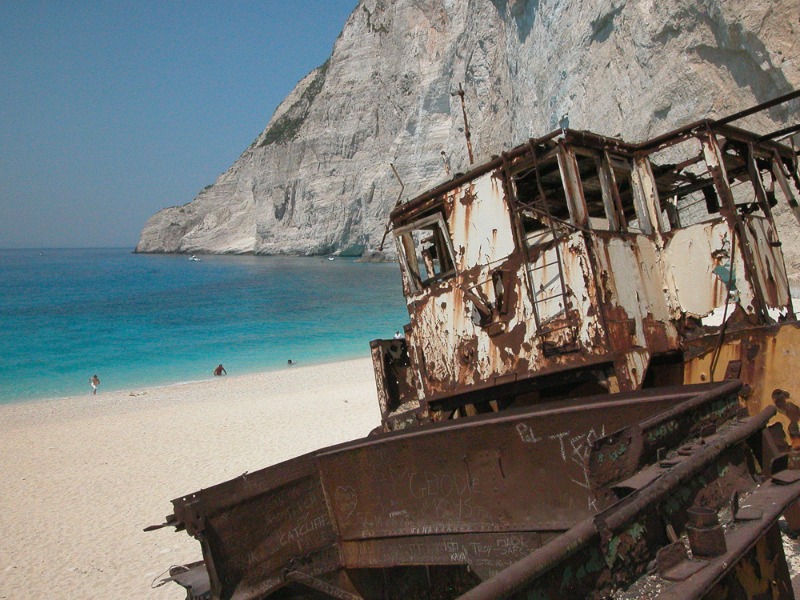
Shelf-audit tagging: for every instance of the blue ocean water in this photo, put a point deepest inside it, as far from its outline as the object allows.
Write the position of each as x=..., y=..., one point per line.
x=143, y=320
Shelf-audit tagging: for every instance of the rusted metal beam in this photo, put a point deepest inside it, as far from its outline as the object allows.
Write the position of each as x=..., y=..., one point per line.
x=784, y=132
x=771, y=499
x=688, y=130
x=621, y=454
x=758, y=108
x=523, y=574
x=478, y=490
x=593, y=140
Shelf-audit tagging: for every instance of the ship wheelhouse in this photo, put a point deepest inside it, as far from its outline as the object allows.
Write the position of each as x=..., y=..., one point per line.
x=578, y=264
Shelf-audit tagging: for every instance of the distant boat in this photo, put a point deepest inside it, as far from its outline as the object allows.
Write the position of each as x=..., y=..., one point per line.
x=193, y=257
x=331, y=257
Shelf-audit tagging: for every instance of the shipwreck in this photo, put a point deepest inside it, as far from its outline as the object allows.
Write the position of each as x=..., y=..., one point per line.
x=595, y=395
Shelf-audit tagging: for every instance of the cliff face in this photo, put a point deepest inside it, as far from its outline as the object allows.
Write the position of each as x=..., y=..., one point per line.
x=318, y=179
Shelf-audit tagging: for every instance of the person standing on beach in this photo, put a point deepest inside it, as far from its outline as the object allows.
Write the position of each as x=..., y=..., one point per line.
x=94, y=380
x=220, y=370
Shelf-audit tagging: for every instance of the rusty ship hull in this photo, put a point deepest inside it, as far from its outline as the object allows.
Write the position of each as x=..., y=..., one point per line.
x=594, y=394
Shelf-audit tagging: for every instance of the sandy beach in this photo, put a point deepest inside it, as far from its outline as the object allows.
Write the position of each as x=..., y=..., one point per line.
x=82, y=476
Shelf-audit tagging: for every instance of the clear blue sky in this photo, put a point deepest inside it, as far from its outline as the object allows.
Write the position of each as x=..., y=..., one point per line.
x=111, y=110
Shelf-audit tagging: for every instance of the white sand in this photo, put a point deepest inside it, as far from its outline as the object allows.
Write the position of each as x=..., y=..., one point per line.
x=81, y=477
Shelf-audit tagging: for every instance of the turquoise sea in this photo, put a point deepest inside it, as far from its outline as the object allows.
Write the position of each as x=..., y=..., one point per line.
x=140, y=320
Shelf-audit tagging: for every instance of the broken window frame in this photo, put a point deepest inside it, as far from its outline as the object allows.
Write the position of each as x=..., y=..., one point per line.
x=554, y=229
x=606, y=168
x=671, y=213
x=782, y=173
x=626, y=165
x=722, y=198
x=551, y=226
x=571, y=182
x=645, y=197
x=408, y=246
x=489, y=310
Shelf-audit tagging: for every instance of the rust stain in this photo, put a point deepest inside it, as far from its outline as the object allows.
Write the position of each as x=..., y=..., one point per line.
x=792, y=412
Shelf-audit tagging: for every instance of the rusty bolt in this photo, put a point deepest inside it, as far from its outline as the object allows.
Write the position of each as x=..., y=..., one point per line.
x=706, y=538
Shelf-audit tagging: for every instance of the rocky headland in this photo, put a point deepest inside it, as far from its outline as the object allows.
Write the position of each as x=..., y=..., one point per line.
x=318, y=179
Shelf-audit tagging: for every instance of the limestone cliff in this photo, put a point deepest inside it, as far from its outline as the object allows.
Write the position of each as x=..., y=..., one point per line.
x=318, y=178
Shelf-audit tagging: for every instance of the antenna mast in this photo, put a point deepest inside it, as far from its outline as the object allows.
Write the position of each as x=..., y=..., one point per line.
x=396, y=204
x=467, y=134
